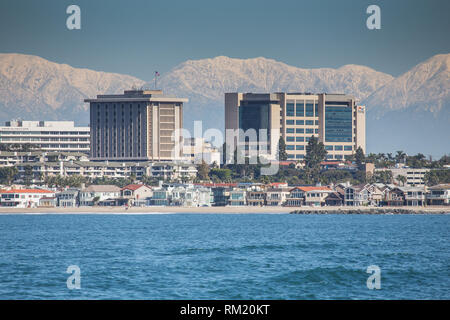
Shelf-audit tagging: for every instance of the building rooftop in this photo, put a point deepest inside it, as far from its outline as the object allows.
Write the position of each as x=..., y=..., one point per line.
x=102, y=188
x=440, y=186
x=134, y=187
x=137, y=95
x=41, y=124
x=26, y=191
x=311, y=188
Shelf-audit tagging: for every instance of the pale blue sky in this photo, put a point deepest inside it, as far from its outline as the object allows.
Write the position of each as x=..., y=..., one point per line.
x=137, y=37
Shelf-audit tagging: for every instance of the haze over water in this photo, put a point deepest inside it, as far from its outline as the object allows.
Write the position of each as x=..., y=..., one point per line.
x=198, y=256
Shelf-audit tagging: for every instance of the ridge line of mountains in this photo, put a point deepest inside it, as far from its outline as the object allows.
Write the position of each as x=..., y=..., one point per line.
x=409, y=112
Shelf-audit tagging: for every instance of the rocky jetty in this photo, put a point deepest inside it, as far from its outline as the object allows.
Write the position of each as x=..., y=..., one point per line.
x=350, y=210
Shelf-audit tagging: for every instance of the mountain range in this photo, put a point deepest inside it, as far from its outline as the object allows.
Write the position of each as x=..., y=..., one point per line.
x=410, y=112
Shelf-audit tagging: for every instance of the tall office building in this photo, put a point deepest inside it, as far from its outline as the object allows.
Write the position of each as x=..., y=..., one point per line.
x=335, y=119
x=50, y=136
x=138, y=125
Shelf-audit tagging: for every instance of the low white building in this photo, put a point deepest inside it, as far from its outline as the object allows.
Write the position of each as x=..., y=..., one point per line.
x=185, y=195
x=173, y=171
x=56, y=136
x=414, y=196
x=109, y=169
x=439, y=195
x=196, y=150
x=24, y=198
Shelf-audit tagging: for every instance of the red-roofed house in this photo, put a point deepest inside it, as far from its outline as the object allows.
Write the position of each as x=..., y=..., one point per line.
x=136, y=192
x=309, y=196
x=24, y=198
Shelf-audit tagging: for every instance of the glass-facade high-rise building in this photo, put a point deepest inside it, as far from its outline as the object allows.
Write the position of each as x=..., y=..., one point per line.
x=335, y=119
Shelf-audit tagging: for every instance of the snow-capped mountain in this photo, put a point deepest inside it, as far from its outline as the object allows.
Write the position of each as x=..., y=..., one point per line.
x=410, y=112
x=426, y=87
x=33, y=88
x=205, y=81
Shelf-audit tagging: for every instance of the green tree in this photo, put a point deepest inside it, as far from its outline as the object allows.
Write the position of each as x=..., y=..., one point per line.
x=74, y=181
x=434, y=177
x=27, y=174
x=400, y=156
x=315, y=154
x=384, y=176
x=221, y=174
x=8, y=174
x=401, y=179
x=203, y=171
x=282, y=154
x=360, y=158
x=150, y=181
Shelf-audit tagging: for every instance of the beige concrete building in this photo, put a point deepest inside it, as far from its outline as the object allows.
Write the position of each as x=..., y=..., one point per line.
x=138, y=125
x=335, y=119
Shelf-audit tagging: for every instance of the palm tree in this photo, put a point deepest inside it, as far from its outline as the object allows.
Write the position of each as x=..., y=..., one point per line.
x=401, y=179
x=400, y=156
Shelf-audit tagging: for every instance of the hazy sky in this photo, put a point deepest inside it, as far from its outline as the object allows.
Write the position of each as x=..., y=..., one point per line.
x=137, y=37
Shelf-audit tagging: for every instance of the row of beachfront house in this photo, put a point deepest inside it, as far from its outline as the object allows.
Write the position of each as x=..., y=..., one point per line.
x=108, y=195
x=338, y=195
x=231, y=194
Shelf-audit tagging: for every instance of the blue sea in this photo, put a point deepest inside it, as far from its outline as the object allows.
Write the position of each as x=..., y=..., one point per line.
x=224, y=256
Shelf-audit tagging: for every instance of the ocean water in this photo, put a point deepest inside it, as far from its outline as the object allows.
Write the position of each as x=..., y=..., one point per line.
x=224, y=256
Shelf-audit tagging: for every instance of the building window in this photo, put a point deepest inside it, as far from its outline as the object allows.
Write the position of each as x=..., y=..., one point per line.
x=289, y=147
x=300, y=130
x=299, y=109
x=300, y=147
x=309, y=110
x=290, y=139
x=338, y=148
x=290, y=109
x=338, y=123
x=348, y=148
x=290, y=130
x=328, y=148
x=309, y=122
x=299, y=122
x=300, y=139
x=290, y=122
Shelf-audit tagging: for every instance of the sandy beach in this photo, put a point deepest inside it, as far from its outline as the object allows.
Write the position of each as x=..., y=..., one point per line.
x=218, y=210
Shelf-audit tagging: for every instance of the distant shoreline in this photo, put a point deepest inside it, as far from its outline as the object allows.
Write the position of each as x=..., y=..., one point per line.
x=230, y=210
